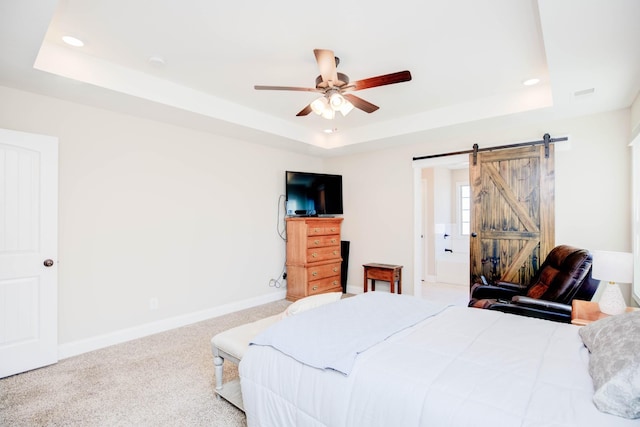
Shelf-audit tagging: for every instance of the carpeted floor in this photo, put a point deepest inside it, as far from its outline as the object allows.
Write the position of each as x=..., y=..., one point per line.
x=162, y=380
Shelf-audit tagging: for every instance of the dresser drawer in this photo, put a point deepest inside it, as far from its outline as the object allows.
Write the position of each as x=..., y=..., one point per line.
x=323, y=229
x=316, y=272
x=323, y=254
x=321, y=241
x=324, y=285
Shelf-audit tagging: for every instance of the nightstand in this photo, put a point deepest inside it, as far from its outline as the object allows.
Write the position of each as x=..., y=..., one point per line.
x=585, y=312
x=385, y=272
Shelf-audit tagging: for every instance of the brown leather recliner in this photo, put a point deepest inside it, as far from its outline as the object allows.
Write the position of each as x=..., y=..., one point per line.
x=565, y=275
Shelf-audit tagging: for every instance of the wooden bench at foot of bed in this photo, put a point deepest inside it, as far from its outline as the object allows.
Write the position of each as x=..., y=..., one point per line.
x=230, y=345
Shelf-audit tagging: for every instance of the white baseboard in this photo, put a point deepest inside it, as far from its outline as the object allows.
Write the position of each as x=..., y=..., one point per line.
x=360, y=289
x=95, y=343
x=354, y=289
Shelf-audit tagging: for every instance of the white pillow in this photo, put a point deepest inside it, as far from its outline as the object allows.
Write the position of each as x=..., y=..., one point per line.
x=310, y=302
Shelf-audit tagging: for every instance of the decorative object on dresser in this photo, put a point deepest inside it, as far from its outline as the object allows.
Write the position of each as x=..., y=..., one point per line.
x=313, y=256
x=613, y=267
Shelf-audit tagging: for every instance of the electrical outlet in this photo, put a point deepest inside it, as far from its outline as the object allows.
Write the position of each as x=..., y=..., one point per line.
x=153, y=303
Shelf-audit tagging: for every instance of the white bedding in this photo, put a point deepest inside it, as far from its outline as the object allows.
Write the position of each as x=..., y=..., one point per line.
x=462, y=367
x=372, y=318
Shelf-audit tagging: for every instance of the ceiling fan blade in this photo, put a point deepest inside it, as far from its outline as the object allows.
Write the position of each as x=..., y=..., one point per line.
x=360, y=103
x=300, y=89
x=386, y=79
x=327, y=63
x=306, y=110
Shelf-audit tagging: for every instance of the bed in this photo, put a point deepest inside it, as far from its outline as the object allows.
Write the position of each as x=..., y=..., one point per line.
x=448, y=366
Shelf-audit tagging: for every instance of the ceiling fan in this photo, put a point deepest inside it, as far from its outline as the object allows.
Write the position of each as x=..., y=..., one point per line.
x=336, y=88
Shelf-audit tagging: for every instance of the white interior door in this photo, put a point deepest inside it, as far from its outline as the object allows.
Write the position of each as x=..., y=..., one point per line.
x=28, y=251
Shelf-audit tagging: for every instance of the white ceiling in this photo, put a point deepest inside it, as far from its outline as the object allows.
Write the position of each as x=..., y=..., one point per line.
x=467, y=58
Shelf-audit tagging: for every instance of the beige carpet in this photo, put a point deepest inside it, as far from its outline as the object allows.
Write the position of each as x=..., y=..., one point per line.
x=163, y=380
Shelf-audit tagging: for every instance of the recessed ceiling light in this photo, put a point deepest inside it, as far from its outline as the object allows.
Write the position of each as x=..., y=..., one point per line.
x=531, y=82
x=72, y=41
x=334, y=130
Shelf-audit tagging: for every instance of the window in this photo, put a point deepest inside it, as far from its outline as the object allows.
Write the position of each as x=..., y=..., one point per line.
x=464, y=209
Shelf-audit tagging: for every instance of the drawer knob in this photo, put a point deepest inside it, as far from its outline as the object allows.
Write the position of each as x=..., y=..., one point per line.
x=315, y=288
x=335, y=269
x=333, y=229
x=314, y=255
x=335, y=282
x=315, y=273
x=316, y=230
x=333, y=240
x=335, y=252
x=316, y=242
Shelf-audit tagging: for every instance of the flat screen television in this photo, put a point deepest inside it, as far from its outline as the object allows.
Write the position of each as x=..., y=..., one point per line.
x=313, y=194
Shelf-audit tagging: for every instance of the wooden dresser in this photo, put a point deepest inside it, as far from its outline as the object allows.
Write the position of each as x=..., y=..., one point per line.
x=313, y=256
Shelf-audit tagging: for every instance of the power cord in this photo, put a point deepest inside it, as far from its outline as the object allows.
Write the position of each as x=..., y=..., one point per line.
x=281, y=232
x=281, y=229
x=278, y=283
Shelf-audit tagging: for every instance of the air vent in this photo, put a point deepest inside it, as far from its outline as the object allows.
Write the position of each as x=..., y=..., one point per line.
x=583, y=92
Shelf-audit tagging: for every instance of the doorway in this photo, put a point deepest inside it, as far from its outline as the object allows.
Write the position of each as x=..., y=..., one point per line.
x=512, y=212
x=441, y=243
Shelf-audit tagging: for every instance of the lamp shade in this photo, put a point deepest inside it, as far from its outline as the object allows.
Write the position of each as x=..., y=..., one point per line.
x=613, y=266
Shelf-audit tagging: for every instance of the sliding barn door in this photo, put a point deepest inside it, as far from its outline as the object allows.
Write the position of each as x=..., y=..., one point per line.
x=512, y=213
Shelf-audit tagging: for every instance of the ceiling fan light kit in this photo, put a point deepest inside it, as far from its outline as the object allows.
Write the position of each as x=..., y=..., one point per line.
x=336, y=100
x=323, y=107
x=319, y=105
x=346, y=108
x=335, y=88
x=329, y=103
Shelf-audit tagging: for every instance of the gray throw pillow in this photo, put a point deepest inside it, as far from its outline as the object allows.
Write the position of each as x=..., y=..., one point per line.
x=614, y=363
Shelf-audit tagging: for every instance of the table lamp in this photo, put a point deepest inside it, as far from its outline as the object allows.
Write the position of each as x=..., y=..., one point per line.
x=612, y=267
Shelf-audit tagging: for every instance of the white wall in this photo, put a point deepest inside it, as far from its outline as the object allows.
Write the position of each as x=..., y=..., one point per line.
x=378, y=212
x=153, y=210
x=428, y=202
x=442, y=195
x=593, y=183
x=635, y=117
x=592, y=187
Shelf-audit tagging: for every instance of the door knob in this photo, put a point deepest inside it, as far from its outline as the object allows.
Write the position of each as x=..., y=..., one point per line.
x=48, y=262
x=474, y=234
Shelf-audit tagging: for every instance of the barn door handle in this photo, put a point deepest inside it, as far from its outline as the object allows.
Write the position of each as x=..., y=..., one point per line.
x=48, y=262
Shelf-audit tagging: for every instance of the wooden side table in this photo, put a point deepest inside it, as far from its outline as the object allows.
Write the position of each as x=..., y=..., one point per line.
x=385, y=272
x=585, y=312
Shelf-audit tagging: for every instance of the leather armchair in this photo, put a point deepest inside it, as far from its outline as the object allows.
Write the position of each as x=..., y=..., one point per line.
x=565, y=275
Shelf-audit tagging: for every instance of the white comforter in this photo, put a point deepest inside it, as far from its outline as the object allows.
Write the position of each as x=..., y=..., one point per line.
x=371, y=318
x=462, y=367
